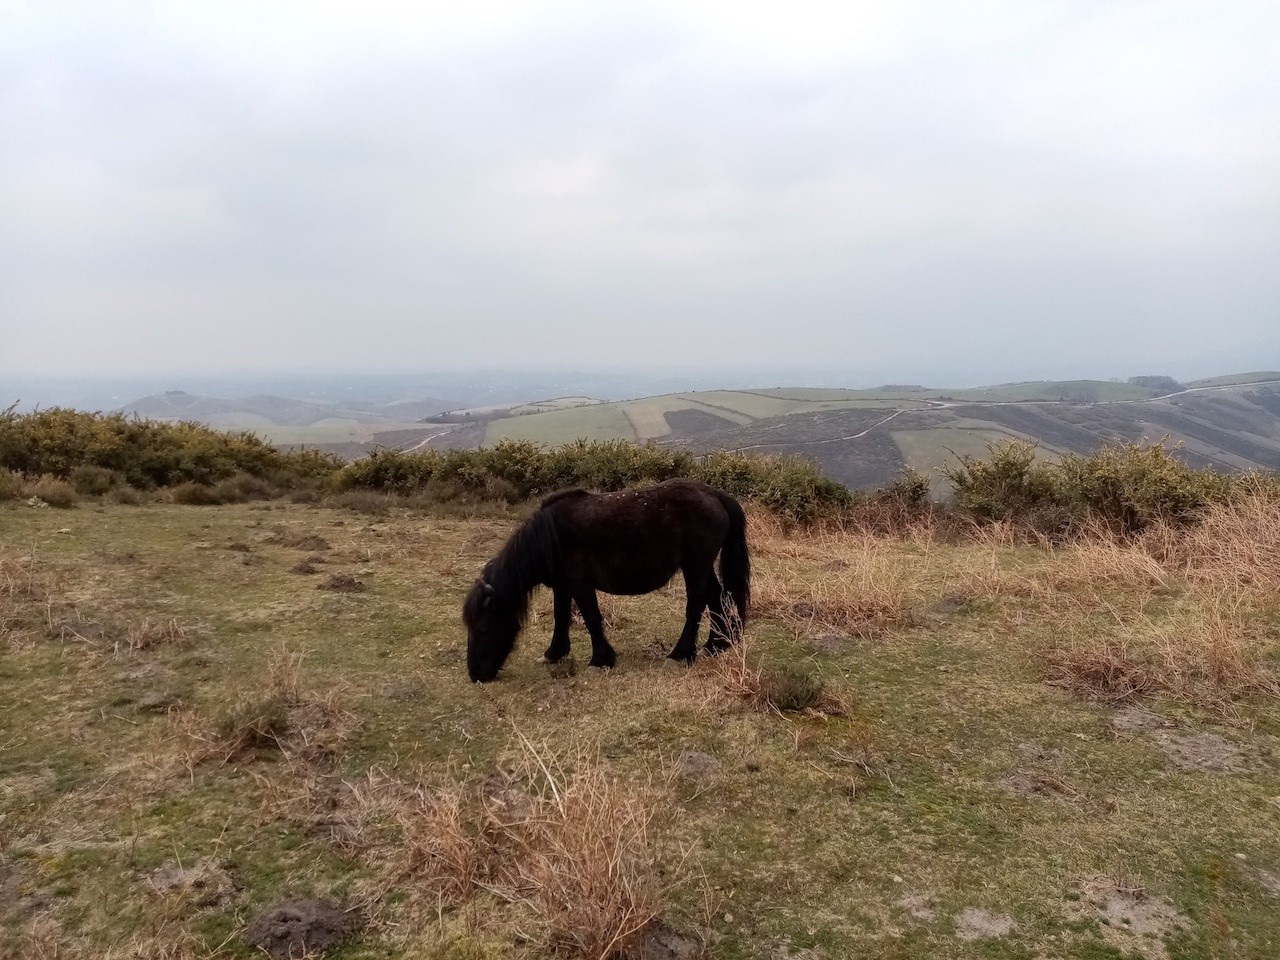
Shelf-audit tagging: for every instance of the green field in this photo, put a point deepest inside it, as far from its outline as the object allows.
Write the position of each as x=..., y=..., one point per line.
x=333, y=430
x=939, y=798
x=929, y=450
x=604, y=421
x=1262, y=376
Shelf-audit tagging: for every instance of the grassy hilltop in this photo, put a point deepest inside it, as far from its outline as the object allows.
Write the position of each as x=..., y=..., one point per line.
x=951, y=739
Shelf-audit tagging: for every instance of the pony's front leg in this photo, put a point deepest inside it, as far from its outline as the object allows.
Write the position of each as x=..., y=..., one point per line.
x=559, y=648
x=602, y=655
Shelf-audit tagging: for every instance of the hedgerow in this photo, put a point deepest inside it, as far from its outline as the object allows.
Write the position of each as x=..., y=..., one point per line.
x=521, y=470
x=1125, y=486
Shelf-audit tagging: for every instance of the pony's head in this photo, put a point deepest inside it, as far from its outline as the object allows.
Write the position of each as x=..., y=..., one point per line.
x=492, y=623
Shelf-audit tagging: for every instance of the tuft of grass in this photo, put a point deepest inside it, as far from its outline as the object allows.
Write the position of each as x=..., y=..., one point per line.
x=54, y=492
x=827, y=581
x=792, y=689
x=368, y=502
x=1232, y=544
x=146, y=635
x=253, y=723
x=11, y=485
x=570, y=850
x=1107, y=670
x=787, y=688
x=195, y=495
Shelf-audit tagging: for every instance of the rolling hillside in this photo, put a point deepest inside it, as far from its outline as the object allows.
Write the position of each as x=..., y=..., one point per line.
x=864, y=437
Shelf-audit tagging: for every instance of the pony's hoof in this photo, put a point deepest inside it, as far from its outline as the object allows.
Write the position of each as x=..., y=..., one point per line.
x=560, y=669
x=598, y=669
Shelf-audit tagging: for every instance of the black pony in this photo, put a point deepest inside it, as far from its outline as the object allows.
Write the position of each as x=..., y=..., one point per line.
x=626, y=543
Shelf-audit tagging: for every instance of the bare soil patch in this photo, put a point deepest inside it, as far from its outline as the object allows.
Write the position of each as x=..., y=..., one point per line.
x=830, y=641
x=662, y=942
x=342, y=583
x=1269, y=880
x=922, y=906
x=1187, y=750
x=205, y=883
x=976, y=924
x=1131, y=918
x=1040, y=783
x=301, y=928
x=697, y=765
x=311, y=542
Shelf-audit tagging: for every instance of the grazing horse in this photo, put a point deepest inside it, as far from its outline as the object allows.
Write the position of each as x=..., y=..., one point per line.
x=630, y=542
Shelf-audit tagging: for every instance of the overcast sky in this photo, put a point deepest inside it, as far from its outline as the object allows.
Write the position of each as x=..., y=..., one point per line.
x=973, y=189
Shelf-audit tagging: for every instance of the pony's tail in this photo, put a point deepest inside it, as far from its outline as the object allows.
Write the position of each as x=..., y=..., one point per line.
x=735, y=561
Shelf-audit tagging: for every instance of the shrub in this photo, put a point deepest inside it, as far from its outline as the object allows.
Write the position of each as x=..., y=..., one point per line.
x=91, y=481
x=54, y=492
x=195, y=495
x=1130, y=486
x=1127, y=487
x=147, y=453
x=242, y=488
x=11, y=485
x=1011, y=484
x=127, y=496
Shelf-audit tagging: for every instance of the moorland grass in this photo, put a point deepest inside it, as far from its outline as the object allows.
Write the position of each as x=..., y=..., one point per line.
x=950, y=772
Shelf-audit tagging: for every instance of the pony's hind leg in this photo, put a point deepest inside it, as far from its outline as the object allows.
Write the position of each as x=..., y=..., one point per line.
x=719, y=630
x=602, y=655
x=695, y=588
x=559, y=648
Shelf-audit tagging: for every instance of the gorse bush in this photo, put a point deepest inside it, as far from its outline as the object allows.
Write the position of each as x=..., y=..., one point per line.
x=1127, y=487
x=1010, y=484
x=146, y=454
x=518, y=470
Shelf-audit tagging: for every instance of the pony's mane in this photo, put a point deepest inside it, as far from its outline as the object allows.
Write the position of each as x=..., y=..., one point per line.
x=526, y=558
x=573, y=493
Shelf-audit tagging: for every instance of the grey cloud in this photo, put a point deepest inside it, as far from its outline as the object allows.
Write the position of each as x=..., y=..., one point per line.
x=1088, y=187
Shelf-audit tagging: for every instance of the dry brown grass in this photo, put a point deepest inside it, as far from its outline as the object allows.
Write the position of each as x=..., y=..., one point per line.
x=1185, y=612
x=824, y=580
x=282, y=716
x=1236, y=544
x=1212, y=648
x=1106, y=669
x=570, y=849
x=25, y=596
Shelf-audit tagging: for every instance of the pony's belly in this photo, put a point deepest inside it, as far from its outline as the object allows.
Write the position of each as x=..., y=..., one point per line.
x=633, y=582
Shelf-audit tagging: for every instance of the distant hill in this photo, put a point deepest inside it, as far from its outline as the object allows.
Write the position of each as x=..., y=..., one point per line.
x=864, y=437
x=861, y=437
x=349, y=430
